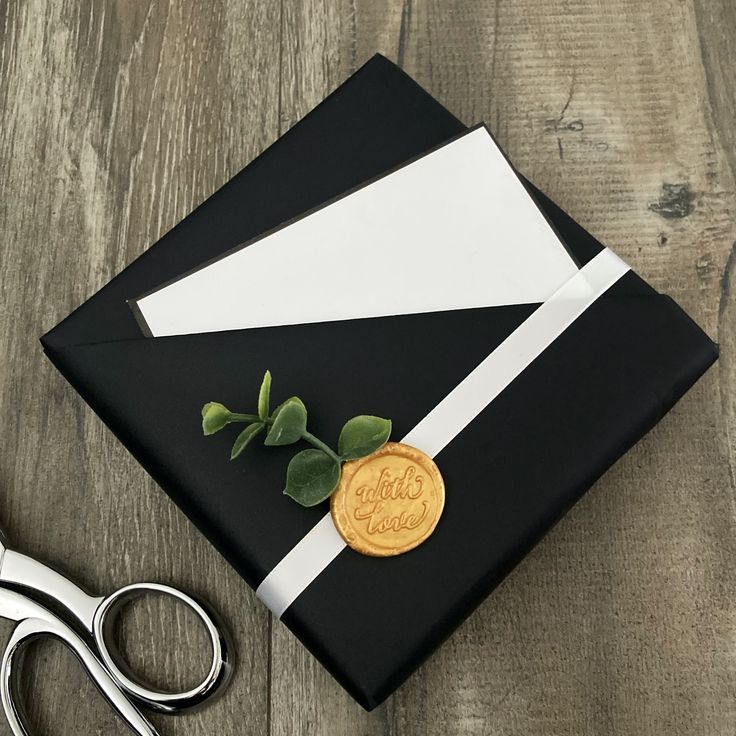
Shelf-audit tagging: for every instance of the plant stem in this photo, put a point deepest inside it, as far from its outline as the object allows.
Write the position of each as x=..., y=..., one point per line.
x=309, y=437
x=250, y=418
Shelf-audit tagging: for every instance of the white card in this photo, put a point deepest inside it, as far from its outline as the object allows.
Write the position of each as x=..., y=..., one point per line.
x=454, y=229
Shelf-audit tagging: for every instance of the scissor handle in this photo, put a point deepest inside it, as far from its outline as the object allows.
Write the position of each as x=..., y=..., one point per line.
x=50, y=625
x=220, y=669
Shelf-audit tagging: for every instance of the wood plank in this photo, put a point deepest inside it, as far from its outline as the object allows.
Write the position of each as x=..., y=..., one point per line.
x=621, y=620
x=117, y=119
x=716, y=20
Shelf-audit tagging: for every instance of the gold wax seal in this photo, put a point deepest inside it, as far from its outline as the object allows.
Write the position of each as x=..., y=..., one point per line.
x=389, y=502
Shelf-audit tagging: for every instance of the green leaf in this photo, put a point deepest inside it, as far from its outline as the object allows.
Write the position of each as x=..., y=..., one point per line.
x=290, y=421
x=289, y=400
x=264, y=396
x=214, y=417
x=244, y=438
x=363, y=435
x=311, y=477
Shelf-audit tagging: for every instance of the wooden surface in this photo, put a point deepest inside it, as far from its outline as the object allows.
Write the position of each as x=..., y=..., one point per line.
x=118, y=117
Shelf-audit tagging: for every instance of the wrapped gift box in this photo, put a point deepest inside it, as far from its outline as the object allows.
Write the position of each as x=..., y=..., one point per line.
x=514, y=470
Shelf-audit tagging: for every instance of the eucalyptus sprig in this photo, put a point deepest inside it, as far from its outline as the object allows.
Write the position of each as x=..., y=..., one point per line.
x=313, y=474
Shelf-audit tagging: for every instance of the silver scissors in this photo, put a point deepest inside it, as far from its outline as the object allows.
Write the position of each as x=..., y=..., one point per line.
x=45, y=603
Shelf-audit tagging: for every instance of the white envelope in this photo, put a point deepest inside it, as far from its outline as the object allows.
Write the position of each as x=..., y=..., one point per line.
x=453, y=229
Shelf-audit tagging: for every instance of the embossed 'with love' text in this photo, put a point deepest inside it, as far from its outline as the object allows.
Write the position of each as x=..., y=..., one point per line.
x=389, y=502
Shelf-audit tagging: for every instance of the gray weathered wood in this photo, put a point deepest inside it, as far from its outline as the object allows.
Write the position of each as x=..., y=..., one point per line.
x=117, y=118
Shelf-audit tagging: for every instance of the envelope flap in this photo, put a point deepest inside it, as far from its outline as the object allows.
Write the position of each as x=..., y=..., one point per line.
x=150, y=392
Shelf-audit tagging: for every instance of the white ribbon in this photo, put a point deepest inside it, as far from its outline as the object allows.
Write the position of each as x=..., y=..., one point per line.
x=322, y=543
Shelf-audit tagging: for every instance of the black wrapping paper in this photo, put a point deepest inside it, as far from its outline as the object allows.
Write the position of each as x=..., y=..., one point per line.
x=510, y=474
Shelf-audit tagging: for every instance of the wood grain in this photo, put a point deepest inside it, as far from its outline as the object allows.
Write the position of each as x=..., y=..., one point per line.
x=117, y=118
